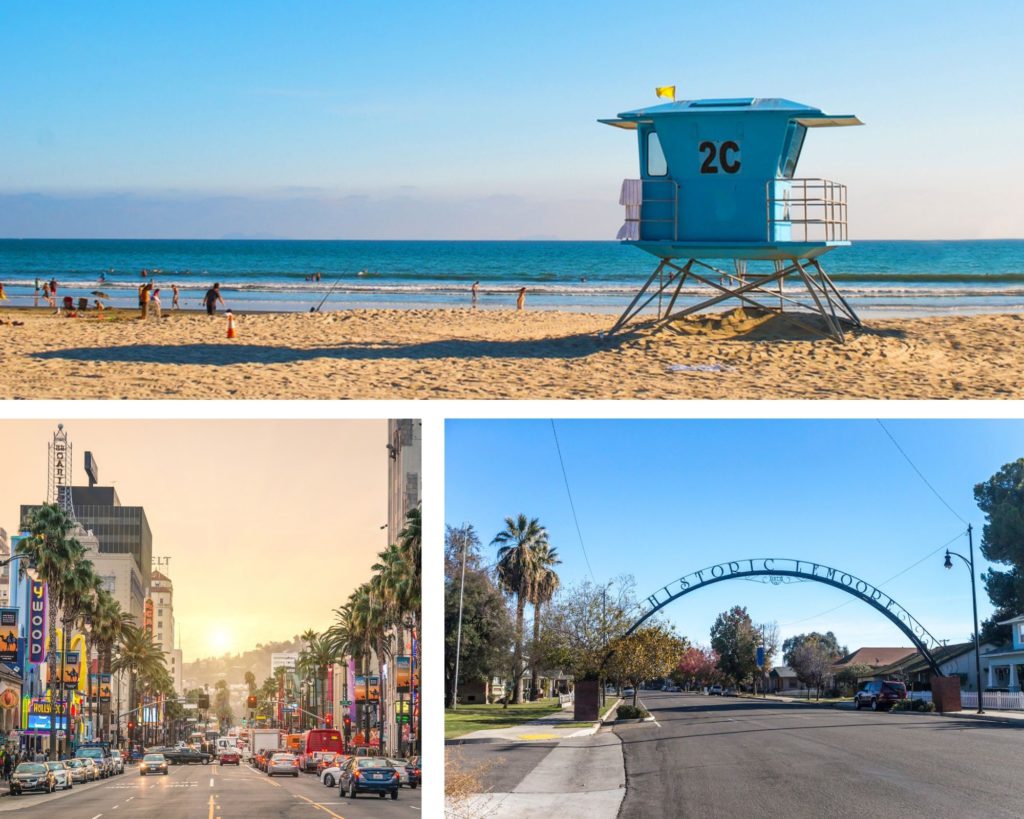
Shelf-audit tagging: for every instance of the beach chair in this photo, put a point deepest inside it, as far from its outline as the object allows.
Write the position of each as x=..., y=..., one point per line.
x=69, y=303
x=83, y=304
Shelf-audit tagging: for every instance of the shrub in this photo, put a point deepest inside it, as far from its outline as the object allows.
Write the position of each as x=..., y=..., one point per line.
x=630, y=712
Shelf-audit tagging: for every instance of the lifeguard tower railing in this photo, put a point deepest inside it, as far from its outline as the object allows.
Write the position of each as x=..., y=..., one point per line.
x=796, y=210
x=806, y=210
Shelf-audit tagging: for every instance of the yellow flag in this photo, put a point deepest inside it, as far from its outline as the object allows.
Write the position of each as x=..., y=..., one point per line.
x=666, y=91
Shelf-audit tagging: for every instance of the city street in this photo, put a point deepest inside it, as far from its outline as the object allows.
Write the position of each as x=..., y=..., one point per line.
x=725, y=757
x=208, y=792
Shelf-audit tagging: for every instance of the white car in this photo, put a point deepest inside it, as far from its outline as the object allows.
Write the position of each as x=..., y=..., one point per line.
x=329, y=776
x=403, y=773
x=61, y=775
x=118, y=760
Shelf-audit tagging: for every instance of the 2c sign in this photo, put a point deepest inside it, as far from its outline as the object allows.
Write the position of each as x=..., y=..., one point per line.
x=724, y=155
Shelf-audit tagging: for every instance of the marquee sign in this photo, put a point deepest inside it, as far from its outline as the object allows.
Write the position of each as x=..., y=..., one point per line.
x=778, y=569
x=36, y=621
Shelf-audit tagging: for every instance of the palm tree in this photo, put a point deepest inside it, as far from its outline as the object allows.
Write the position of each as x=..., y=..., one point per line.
x=109, y=627
x=517, y=573
x=544, y=587
x=139, y=656
x=53, y=553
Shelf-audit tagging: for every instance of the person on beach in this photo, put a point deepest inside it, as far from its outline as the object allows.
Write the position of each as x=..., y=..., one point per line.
x=475, y=291
x=36, y=302
x=521, y=299
x=3, y=293
x=211, y=298
x=103, y=277
x=53, y=287
x=156, y=303
x=47, y=294
x=144, y=300
x=174, y=297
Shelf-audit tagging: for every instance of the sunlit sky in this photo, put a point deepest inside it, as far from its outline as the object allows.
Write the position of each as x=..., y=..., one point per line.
x=197, y=119
x=268, y=525
x=660, y=499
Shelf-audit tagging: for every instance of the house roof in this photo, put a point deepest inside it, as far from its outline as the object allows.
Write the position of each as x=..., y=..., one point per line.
x=783, y=671
x=1019, y=618
x=916, y=661
x=806, y=115
x=875, y=656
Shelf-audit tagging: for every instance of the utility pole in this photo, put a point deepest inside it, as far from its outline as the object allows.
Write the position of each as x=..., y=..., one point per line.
x=458, y=637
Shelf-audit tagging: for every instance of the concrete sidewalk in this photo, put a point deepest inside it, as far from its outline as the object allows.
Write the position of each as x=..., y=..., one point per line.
x=556, y=726
x=581, y=778
x=991, y=714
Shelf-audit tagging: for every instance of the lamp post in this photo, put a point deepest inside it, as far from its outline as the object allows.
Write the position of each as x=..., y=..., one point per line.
x=458, y=637
x=974, y=600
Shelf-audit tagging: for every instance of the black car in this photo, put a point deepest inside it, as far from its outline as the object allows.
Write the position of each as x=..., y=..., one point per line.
x=880, y=695
x=367, y=774
x=186, y=756
x=32, y=776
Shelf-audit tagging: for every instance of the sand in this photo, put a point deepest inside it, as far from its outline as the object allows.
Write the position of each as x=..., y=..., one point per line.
x=462, y=353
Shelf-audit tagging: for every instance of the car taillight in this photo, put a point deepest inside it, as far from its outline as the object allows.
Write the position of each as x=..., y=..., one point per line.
x=396, y=776
x=356, y=774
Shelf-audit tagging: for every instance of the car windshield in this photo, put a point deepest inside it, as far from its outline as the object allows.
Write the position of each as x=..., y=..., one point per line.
x=74, y=763
x=153, y=758
x=31, y=767
x=397, y=762
x=55, y=766
x=93, y=753
x=896, y=688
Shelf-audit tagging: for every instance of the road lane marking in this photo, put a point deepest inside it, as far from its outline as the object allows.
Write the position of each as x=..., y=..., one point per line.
x=211, y=781
x=97, y=816
x=319, y=806
x=211, y=806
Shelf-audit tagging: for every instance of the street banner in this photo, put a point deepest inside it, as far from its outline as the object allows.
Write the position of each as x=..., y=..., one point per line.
x=36, y=621
x=367, y=690
x=104, y=687
x=403, y=665
x=72, y=669
x=8, y=636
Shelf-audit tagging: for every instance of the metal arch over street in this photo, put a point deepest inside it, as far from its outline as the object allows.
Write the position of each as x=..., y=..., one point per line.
x=785, y=567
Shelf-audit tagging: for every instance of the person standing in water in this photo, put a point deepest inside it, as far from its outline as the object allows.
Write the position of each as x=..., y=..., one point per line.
x=174, y=297
x=521, y=299
x=474, y=290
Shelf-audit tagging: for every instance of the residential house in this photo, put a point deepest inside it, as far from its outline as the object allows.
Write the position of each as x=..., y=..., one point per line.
x=1003, y=666
x=782, y=679
x=956, y=660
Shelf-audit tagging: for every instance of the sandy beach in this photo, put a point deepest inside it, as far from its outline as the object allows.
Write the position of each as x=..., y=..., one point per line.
x=467, y=354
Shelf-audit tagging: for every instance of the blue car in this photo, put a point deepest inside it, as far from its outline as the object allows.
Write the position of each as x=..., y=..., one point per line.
x=368, y=774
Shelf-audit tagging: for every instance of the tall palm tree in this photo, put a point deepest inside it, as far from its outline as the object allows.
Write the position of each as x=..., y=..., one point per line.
x=517, y=573
x=81, y=585
x=544, y=587
x=53, y=553
x=108, y=629
x=137, y=655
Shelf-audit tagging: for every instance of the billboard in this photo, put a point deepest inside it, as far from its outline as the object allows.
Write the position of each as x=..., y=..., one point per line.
x=37, y=713
x=403, y=667
x=9, y=636
x=283, y=659
x=367, y=689
x=36, y=621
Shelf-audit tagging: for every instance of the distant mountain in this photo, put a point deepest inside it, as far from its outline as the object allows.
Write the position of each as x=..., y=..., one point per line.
x=232, y=667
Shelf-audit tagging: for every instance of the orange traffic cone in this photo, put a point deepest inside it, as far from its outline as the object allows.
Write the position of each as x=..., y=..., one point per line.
x=231, y=326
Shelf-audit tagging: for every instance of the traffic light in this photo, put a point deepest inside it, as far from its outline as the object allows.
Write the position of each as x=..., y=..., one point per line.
x=251, y=701
x=204, y=701
x=329, y=720
x=131, y=725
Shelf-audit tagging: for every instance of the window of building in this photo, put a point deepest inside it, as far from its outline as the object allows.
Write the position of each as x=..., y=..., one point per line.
x=657, y=165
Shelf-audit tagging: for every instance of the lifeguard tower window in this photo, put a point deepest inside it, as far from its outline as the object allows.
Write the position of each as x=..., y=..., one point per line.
x=656, y=162
x=791, y=149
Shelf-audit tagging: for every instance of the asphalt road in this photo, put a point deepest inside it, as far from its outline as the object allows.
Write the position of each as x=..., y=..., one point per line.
x=208, y=792
x=727, y=757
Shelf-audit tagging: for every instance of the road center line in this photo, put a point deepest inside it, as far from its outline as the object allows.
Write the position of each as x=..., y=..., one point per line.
x=211, y=781
x=320, y=807
x=97, y=816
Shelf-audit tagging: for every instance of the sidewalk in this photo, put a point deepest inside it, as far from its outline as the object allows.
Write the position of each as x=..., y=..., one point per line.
x=557, y=726
x=991, y=714
x=581, y=778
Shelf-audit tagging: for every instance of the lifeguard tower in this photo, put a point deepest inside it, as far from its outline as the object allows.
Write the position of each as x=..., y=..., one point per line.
x=717, y=183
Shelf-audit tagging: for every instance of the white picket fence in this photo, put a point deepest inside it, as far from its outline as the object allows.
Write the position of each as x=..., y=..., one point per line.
x=1000, y=700
x=564, y=699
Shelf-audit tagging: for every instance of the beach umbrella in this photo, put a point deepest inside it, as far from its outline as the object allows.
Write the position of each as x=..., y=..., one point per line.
x=100, y=294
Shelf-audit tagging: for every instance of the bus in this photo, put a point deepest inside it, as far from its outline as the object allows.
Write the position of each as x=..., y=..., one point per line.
x=315, y=742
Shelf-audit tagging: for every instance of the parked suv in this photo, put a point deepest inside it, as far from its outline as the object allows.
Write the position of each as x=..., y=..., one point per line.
x=880, y=695
x=99, y=755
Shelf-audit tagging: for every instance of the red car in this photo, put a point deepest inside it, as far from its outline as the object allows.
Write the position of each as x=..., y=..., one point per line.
x=230, y=757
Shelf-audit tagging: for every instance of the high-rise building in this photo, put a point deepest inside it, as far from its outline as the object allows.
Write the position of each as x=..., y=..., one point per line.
x=161, y=591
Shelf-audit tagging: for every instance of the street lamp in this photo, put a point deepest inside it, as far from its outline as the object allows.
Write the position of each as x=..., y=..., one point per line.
x=974, y=600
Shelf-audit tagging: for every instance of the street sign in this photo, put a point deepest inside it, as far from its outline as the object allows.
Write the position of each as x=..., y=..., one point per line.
x=346, y=703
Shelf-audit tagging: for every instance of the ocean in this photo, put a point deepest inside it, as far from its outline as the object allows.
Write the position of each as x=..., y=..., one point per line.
x=878, y=277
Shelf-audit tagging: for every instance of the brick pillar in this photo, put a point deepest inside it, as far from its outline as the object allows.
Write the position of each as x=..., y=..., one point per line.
x=587, y=701
x=946, y=694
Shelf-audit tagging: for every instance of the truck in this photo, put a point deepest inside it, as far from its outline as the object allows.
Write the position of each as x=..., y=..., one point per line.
x=263, y=738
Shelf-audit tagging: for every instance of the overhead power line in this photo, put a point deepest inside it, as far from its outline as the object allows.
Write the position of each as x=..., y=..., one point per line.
x=572, y=506
x=919, y=473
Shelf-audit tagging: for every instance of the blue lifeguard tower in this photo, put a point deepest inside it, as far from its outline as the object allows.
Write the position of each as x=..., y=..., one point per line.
x=717, y=182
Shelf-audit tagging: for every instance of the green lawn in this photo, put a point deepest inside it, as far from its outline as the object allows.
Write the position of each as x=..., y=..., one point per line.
x=479, y=717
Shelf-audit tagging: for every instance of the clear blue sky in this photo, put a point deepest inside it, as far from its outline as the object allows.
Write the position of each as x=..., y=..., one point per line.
x=414, y=105
x=660, y=499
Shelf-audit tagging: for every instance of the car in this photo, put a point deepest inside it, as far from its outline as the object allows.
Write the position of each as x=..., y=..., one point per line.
x=283, y=763
x=880, y=695
x=92, y=770
x=153, y=763
x=100, y=756
x=325, y=759
x=118, y=760
x=402, y=766
x=329, y=775
x=229, y=757
x=363, y=774
x=715, y=690
x=628, y=692
x=32, y=776
x=187, y=756
x=78, y=771
x=414, y=771
x=729, y=692
x=61, y=775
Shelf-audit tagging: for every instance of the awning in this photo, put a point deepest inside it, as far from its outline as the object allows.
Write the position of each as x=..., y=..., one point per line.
x=828, y=122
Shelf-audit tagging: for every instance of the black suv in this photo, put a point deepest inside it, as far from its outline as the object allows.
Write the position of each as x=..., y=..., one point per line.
x=880, y=695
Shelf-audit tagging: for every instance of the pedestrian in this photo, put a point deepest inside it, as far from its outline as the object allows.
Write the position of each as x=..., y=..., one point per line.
x=3, y=293
x=144, y=291
x=211, y=298
x=53, y=287
x=50, y=300
x=174, y=297
x=36, y=302
x=521, y=299
x=155, y=299
x=474, y=290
